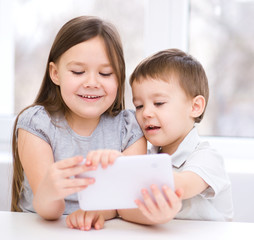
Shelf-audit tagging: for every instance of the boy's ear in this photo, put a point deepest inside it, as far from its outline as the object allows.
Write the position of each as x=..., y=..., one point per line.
x=198, y=106
x=53, y=73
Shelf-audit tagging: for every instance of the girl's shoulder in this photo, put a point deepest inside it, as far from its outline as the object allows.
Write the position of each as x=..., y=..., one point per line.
x=35, y=113
x=36, y=120
x=125, y=117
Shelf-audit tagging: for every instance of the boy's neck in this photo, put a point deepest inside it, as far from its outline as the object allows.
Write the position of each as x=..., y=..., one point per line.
x=172, y=148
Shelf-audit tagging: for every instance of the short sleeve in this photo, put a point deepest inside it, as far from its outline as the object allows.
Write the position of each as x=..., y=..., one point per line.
x=209, y=165
x=36, y=121
x=130, y=130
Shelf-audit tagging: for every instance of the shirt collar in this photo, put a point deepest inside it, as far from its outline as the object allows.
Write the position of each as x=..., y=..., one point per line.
x=186, y=147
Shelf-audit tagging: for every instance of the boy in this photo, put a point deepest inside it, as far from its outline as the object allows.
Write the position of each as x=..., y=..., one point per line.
x=170, y=93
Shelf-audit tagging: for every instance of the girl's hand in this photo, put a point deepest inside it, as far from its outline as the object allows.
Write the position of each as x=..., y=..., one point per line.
x=59, y=180
x=104, y=156
x=164, y=207
x=85, y=220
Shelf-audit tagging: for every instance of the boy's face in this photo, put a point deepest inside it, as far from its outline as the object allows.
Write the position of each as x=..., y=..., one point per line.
x=163, y=111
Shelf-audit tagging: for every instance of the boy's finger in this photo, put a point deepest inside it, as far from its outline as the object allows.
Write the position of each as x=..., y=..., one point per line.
x=173, y=199
x=149, y=203
x=179, y=192
x=159, y=198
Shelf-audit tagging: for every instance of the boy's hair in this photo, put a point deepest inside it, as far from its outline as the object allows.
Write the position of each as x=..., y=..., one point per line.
x=175, y=63
x=75, y=31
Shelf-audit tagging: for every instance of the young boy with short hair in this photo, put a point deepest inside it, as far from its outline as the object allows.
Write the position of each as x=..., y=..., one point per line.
x=170, y=93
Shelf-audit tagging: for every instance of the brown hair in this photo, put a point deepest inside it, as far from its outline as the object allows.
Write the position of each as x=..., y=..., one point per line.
x=174, y=62
x=75, y=31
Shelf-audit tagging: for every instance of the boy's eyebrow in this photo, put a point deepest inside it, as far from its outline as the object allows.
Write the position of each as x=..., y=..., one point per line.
x=153, y=95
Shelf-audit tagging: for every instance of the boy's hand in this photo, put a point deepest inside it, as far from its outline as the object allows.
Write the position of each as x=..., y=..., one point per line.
x=105, y=157
x=163, y=207
x=85, y=220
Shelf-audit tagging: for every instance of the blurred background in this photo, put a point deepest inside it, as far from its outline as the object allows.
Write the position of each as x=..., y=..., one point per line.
x=218, y=33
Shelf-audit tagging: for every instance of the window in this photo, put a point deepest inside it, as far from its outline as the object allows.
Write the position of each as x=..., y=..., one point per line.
x=221, y=37
x=28, y=28
x=212, y=31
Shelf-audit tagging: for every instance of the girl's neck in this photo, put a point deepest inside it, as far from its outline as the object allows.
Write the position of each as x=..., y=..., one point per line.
x=82, y=126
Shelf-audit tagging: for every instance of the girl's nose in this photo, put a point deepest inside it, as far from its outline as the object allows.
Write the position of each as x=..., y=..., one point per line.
x=91, y=81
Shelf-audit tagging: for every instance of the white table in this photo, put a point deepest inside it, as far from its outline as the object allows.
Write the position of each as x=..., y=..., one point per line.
x=27, y=226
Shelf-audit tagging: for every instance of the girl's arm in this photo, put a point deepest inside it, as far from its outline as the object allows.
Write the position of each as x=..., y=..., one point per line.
x=85, y=220
x=137, y=148
x=49, y=181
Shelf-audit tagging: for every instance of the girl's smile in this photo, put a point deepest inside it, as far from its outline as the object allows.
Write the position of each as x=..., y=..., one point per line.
x=90, y=98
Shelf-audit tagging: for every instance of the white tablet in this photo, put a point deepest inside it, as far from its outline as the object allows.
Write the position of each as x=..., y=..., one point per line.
x=117, y=186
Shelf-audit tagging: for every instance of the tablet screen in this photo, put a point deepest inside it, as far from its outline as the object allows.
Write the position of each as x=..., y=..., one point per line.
x=117, y=186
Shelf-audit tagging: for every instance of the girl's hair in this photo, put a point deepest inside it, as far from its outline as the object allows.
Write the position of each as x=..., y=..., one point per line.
x=175, y=63
x=75, y=31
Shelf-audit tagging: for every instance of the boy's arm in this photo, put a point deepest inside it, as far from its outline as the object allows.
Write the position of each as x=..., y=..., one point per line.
x=134, y=215
x=191, y=183
x=159, y=207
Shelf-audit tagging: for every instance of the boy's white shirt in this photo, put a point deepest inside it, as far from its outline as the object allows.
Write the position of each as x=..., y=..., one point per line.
x=215, y=203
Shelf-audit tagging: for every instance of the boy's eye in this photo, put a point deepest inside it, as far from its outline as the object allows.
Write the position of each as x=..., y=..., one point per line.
x=77, y=73
x=105, y=74
x=159, y=103
x=139, y=107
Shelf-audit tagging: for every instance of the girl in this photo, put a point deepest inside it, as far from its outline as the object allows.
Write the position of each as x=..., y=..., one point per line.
x=79, y=108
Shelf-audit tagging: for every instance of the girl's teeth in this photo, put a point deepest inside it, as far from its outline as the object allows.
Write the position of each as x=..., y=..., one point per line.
x=90, y=96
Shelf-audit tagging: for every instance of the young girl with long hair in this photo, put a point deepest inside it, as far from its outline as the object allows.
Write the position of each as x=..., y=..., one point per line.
x=79, y=109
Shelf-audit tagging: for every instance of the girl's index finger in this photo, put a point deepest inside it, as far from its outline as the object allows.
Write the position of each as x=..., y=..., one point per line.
x=69, y=162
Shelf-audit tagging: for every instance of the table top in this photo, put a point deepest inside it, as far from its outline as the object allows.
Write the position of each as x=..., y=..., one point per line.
x=28, y=226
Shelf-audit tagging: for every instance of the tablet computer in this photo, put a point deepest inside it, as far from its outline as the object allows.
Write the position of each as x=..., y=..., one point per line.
x=117, y=186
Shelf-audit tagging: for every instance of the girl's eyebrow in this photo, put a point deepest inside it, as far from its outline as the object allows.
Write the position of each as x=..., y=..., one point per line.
x=75, y=63
x=83, y=64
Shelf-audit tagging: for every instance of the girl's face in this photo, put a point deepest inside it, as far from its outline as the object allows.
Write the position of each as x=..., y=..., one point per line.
x=86, y=78
x=163, y=111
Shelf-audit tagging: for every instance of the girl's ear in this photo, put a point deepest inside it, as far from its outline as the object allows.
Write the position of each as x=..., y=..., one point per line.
x=198, y=106
x=53, y=73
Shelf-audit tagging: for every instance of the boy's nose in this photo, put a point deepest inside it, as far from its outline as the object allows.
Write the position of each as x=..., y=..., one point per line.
x=147, y=112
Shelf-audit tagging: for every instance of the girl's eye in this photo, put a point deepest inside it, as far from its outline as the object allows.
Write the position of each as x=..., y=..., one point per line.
x=105, y=74
x=77, y=73
x=159, y=103
x=139, y=107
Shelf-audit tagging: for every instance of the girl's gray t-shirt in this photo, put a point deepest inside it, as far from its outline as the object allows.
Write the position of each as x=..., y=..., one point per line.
x=118, y=133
